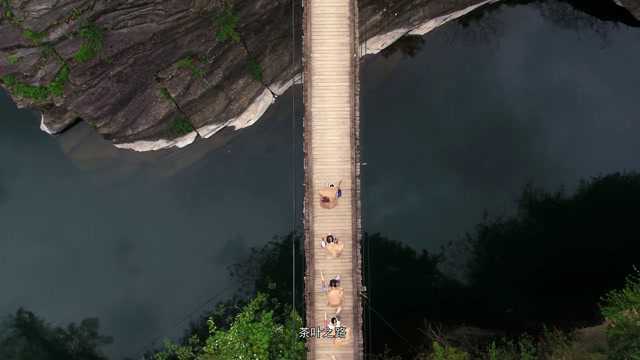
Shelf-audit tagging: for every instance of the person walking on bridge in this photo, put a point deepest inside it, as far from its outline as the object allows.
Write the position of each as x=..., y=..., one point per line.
x=329, y=196
x=335, y=294
x=333, y=246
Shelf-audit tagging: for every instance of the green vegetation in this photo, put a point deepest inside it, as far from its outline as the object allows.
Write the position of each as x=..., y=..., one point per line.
x=7, y=11
x=180, y=126
x=56, y=86
x=188, y=64
x=47, y=51
x=254, y=333
x=93, y=37
x=622, y=309
x=226, y=23
x=38, y=93
x=254, y=69
x=34, y=36
x=578, y=229
x=26, y=91
x=13, y=59
x=9, y=80
x=446, y=352
x=24, y=336
x=551, y=345
x=164, y=93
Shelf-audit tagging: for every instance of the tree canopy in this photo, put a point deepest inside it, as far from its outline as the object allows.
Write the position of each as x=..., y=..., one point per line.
x=553, y=260
x=253, y=334
x=24, y=336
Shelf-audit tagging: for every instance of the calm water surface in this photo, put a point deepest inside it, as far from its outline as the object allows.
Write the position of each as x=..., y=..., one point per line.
x=480, y=111
x=140, y=239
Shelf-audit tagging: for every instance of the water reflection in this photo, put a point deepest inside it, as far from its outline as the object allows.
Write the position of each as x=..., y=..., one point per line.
x=134, y=239
x=460, y=127
x=139, y=239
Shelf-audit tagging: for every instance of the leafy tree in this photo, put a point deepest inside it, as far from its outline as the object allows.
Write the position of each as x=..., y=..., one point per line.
x=622, y=309
x=24, y=336
x=253, y=334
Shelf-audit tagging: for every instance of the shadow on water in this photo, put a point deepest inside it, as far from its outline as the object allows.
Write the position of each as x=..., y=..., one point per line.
x=594, y=15
x=548, y=265
x=555, y=10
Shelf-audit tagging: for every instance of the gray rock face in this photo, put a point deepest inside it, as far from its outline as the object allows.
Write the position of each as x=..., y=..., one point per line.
x=632, y=5
x=159, y=68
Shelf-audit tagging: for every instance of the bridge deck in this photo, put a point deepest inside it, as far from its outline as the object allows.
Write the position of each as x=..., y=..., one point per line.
x=331, y=156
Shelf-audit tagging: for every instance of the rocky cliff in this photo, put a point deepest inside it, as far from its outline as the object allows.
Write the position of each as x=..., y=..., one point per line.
x=151, y=74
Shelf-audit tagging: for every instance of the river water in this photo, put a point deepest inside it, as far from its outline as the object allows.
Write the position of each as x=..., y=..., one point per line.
x=140, y=240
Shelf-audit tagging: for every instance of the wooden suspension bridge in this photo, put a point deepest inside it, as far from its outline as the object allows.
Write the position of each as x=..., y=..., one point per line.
x=331, y=144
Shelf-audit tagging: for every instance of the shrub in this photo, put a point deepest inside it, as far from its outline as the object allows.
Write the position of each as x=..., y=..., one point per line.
x=527, y=348
x=446, y=352
x=164, y=93
x=7, y=12
x=180, y=126
x=38, y=92
x=9, y=80
x=56, y=87
x=47, y=51
x=13, y=59
x=253, y=334
x=33, y=92
x=255, y=69
x=26, y=91
x=622, y=309
x=187, y=63
x=34, y=36
x=93, y=37
x=226, y=23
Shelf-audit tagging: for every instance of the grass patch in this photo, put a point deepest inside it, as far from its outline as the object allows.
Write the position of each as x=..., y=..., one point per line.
x=22, y=90
x=38, y=93
x=27, y=91
x=34, y=36
x=226, y=23
x=56, y=86
x=13, y=59
x=9, y=80
x=254, y=69
x=93, y=37
x=164, y=93
x=188, y=64
x=180, y=127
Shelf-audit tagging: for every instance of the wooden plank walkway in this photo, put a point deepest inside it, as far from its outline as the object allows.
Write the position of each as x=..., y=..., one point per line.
x=331, y=90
